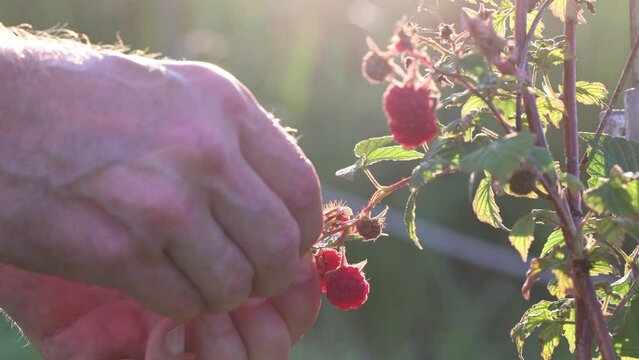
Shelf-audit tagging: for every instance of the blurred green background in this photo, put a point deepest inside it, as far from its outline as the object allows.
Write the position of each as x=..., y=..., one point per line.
x=302, y=60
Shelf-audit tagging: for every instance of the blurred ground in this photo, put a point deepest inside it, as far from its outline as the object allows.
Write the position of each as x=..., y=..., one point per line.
x=301, y=58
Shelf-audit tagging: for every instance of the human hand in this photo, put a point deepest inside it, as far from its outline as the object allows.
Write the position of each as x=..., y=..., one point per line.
x=72, y=321
x=163, y=179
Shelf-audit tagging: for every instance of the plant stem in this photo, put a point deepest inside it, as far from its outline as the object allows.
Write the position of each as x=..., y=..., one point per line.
x=380, y=194
x=585, y=294
x=531, y=32
x=604, y=120
x=571, y=122
x=473, y=90
x=583, y=350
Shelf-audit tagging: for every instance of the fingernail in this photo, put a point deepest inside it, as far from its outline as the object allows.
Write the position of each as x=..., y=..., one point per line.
x=304, y=270
x=175, y=340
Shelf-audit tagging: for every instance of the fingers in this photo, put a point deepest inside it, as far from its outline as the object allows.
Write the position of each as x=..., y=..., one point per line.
x=260, y=224
x=215, y=337
x=161, y=287
x=167, y=342
x=285, y=169
x=300, y=304
x=212, y=262
x=263, y=330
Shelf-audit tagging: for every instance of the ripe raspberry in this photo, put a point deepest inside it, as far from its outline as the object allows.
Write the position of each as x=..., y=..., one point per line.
x=347, y=287
x=523, y=181
x=411, y=114
x=370, y=228
x=327, y=260
x=376, y=67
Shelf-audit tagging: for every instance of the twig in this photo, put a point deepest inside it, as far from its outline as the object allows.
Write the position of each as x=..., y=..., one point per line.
x=633, y=287
x=380, y=194
x=604, y=120
x=493, y=109
x=533, y=28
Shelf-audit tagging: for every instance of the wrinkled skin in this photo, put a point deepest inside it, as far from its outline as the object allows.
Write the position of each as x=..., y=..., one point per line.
x=162, y=181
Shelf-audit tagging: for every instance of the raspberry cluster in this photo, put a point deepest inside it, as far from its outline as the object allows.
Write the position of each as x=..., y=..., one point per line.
x=345, y=285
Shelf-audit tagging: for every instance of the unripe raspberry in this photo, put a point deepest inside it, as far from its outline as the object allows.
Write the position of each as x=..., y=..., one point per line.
x=376, y=67
x=523, y=181
x=336, y=214
x=369, y=228
x=347, y=287
x=327, y=260
x=411, y=114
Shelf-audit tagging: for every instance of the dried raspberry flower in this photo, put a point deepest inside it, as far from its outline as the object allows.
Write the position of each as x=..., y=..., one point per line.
x=370, y=228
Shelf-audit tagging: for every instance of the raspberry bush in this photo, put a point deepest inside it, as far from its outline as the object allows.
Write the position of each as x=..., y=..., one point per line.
x=493, y=65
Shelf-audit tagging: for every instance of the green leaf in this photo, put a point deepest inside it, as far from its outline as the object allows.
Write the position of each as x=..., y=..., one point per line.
x=558, y=8
x=501, y=157
x=608, y=152
x=611, y=196
x=542, y=313
x=549, y=339
x=542, y=159
x=610, y=230
x=522, y=235
x=366, y=147
x=626, y=340
x=545, y=53
x=473, y=65
x=374, y=150
x=409, y=218
x=392, y=153
x=591, y=93
x=556, y=238
x=442, y=152
x=551, y=110
x=570, y=332
x=572, y=182
x=485, y=207
x=546, y=217
x=474, y=103
x=500, y=21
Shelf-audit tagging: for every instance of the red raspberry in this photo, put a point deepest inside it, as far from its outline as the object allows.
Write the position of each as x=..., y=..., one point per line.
x=411, y=114
x=327, y=260
x=347, y=287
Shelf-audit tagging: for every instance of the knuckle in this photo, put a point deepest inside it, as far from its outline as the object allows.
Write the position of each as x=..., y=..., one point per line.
x=280, y=258
x=118, y=256
x=218, y=153
x=170, y=209
x=211, y=79
x=236, y=288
